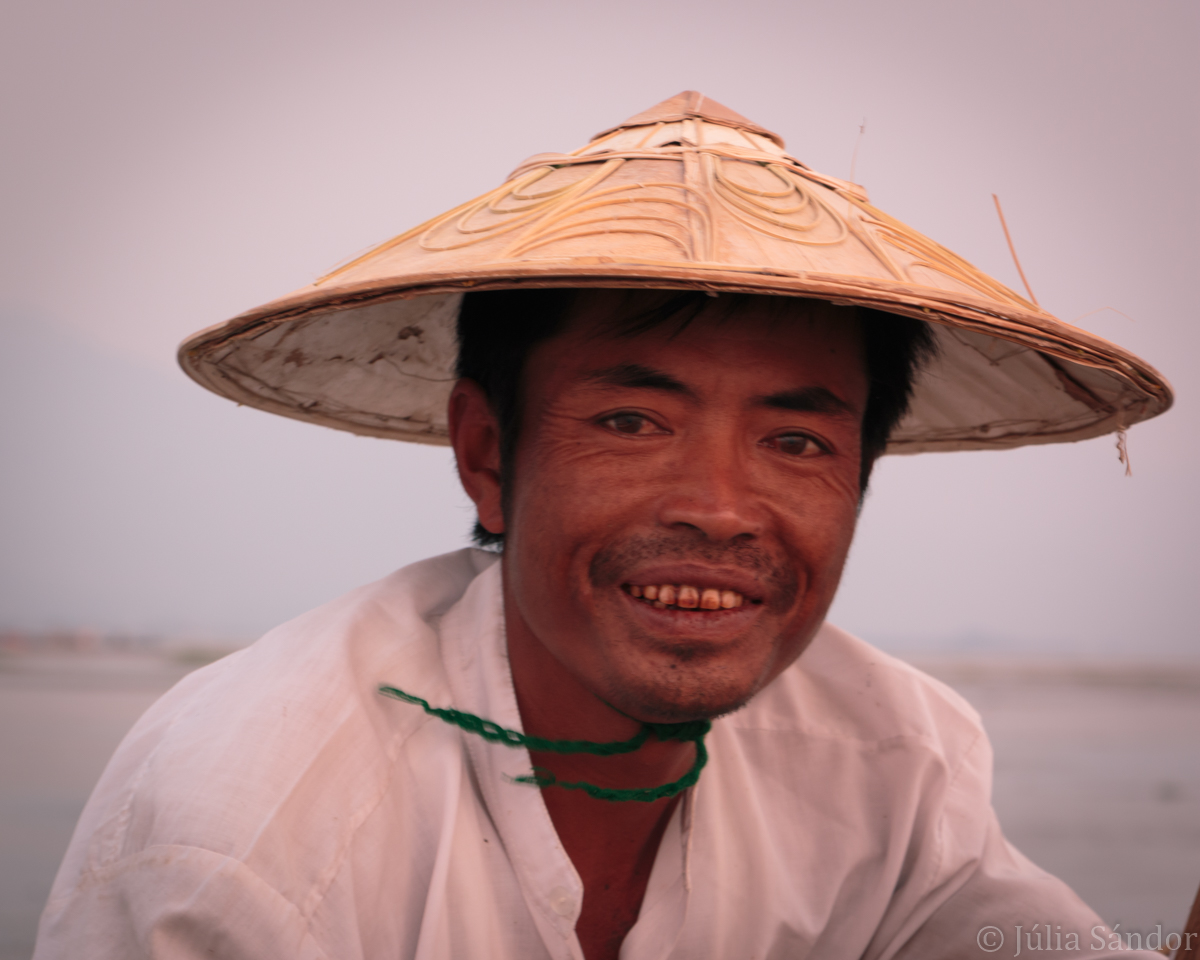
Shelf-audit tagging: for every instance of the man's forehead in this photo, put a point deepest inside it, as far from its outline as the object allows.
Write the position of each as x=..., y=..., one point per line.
x=809, y=398
x=783, y=353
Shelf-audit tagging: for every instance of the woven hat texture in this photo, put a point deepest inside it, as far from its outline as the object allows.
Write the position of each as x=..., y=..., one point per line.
x=691, y=196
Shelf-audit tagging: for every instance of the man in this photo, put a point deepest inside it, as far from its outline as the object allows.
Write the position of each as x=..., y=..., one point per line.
x=667, y=364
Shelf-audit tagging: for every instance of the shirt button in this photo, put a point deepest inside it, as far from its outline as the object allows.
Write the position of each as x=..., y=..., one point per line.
x=561, y=901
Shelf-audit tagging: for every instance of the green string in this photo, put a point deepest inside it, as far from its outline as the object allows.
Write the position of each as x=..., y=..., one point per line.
x=691, y=731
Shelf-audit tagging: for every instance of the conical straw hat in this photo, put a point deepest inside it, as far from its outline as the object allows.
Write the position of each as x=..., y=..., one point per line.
x=687, y=196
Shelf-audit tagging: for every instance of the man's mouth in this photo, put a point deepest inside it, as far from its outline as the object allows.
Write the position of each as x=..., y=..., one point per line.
x=686, y=596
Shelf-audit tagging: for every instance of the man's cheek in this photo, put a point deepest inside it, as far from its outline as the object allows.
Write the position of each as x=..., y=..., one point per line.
x=583, y=501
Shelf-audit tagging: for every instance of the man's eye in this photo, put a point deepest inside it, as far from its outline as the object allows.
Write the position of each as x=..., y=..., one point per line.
x=631, y=424
x=796, y=445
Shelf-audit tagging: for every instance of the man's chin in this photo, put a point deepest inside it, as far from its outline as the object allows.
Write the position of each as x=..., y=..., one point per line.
x=680, y=702
x=671, y=682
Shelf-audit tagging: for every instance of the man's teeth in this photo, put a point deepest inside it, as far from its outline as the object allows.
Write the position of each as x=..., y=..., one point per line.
x=687, y=597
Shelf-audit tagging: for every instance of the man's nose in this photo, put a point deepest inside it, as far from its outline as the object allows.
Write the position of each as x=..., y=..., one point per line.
x=714, y=495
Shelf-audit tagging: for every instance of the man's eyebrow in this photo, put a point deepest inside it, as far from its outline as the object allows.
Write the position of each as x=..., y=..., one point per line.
x=809, y=400
x=639, y=377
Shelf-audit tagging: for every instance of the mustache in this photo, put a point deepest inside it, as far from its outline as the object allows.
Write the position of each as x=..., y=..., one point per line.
x=610, y=565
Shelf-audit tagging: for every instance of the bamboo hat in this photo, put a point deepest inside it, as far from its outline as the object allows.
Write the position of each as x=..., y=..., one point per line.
x=686, y=196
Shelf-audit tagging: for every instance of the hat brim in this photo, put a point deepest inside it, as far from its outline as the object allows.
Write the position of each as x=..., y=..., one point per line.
x=377, y=358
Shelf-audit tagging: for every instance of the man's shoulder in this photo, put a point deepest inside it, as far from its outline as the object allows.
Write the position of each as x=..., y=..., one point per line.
x=343, y=648
x=285, y=724
x=843, y=688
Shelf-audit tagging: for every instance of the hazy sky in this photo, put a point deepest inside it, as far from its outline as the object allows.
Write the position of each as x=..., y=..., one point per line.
x=169, y=165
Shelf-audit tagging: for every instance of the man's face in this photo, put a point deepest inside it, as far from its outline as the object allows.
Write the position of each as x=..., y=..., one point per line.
x=717, y=465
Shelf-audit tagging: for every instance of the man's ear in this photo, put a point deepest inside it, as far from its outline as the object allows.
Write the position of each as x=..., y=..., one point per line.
x=475, y=436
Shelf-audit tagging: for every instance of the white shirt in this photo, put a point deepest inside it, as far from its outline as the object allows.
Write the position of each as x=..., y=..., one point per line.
x=274, y=804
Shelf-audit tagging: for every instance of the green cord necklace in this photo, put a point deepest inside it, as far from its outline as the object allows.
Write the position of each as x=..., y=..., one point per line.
x=693, y=731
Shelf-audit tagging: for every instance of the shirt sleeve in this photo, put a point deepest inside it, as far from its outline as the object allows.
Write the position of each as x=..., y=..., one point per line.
x=984, y=898
x=173, y=903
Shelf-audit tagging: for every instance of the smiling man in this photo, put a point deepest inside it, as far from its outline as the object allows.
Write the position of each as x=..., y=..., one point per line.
x=683, y=477
x=621, y=726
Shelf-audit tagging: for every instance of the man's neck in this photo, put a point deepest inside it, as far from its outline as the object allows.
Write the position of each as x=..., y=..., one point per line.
x=612, y=845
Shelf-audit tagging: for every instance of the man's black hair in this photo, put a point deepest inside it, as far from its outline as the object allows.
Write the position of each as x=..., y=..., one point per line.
x=497, y=330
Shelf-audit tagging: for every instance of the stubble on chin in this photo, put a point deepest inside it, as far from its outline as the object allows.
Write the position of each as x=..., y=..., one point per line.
x=667, y=699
